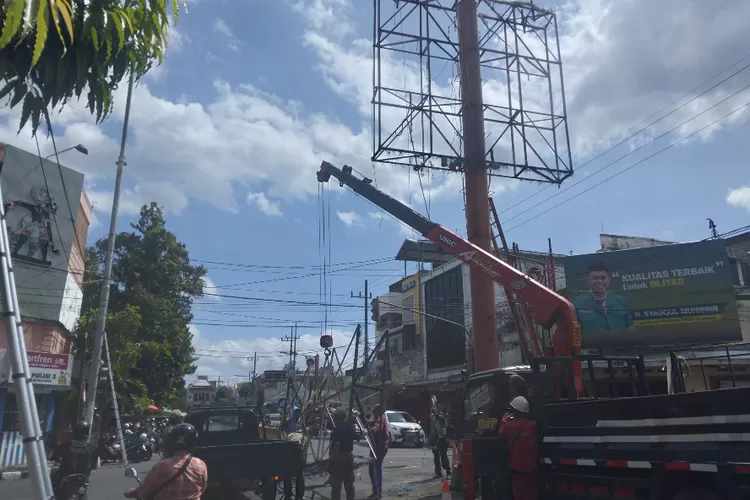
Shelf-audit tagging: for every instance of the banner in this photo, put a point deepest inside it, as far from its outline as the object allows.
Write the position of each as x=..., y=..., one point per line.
x=665, y=295
x=50, y=369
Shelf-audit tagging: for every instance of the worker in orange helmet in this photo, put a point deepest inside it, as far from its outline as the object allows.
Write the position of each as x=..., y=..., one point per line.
x=519, y=431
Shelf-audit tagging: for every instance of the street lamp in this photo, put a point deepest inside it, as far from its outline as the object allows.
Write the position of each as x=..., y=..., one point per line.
x=78, y=147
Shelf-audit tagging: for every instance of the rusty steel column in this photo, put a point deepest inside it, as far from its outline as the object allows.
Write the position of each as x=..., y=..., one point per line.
x=483, y=325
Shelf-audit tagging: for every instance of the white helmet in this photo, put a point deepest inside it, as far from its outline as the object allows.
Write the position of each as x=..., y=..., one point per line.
x=520, y=404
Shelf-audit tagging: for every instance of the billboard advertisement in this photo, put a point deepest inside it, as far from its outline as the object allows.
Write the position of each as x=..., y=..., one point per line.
x=665, y=295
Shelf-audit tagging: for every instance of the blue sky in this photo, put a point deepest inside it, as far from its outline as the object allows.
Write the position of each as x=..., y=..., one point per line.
x=228, y=133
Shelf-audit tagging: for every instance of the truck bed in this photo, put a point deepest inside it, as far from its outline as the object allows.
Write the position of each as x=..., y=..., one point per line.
x=251, y=460
x=691, y=428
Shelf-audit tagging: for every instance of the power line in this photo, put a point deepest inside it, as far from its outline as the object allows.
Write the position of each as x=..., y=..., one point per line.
x=638, y=132
x=669, y=146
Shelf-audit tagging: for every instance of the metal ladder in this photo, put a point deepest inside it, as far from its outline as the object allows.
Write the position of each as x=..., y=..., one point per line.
x=519, y=310
x=115, y=409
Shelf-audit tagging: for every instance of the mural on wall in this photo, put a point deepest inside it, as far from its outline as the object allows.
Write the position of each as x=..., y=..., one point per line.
x=31, y=235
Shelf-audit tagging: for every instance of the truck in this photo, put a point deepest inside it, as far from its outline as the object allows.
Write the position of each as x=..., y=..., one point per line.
x=681, y=446
x=241, y=454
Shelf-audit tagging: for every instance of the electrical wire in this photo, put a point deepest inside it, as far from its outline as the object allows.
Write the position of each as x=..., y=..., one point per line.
x=630, y=167
x=651, y=124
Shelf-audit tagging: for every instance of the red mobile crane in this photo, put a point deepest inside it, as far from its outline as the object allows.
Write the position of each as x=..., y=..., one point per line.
x=550, y=309
x=684, y=446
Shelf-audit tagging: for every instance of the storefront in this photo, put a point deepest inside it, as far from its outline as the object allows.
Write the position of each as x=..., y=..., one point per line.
x=50, y=374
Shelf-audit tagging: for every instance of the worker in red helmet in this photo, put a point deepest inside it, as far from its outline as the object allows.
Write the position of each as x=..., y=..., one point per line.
x=519, y=431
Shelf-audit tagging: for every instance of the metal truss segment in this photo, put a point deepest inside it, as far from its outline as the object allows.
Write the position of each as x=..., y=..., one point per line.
x=416, y=101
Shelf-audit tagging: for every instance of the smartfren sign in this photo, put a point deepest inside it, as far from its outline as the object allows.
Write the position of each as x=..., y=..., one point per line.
x=45, y=368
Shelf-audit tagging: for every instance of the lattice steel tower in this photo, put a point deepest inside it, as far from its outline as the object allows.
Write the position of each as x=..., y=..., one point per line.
x=417, y=106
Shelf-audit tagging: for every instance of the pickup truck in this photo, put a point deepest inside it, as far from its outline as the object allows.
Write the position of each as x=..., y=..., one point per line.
x=682, y=446
x=241, y=454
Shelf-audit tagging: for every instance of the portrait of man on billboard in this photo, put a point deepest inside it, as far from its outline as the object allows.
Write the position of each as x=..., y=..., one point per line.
x=599, y=309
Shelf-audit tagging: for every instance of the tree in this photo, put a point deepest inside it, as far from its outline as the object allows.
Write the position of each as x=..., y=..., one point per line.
x=223, y=395
x=52, y=51
x=152, y=293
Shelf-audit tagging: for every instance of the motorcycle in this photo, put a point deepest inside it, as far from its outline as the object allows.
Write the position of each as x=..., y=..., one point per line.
x=74, y=487
x=138, y=448
x=109, y=449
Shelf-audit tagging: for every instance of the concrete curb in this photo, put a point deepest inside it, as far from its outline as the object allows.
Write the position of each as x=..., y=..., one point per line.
x=15, y=474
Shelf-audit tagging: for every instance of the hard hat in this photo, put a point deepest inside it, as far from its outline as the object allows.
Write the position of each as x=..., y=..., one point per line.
x=520, y=404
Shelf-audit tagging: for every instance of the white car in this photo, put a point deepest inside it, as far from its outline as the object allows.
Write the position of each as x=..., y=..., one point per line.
x=403, y=429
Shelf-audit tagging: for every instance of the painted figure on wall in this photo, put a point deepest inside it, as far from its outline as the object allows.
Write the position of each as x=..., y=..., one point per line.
x=33, y=230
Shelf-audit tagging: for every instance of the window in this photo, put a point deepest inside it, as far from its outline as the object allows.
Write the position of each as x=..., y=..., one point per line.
x=218, y=423
x=444, y=300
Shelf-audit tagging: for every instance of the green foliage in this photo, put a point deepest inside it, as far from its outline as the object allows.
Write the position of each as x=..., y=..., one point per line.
x=223, y=396
x=150, y=303
x=245, y=390
x=74, y=47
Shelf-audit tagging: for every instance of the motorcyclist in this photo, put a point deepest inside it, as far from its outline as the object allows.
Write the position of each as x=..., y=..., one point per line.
x=175, y=418
x=76, y=456
x=181, y=475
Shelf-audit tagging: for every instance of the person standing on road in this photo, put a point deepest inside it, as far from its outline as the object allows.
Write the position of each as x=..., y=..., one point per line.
x=380, y=440
x=342, y=456
x=181, y=476
x=519, y=431
x=439, y=442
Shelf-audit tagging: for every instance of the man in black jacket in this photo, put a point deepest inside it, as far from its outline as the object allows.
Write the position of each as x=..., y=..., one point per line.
x=77, y=456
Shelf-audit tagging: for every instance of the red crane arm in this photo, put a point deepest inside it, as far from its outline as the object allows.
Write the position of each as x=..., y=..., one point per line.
x=550, y=308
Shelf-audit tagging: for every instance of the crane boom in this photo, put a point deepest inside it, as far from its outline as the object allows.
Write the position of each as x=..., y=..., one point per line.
x=550, y=309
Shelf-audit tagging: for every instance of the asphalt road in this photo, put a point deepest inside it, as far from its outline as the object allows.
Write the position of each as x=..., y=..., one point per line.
x=404, y=470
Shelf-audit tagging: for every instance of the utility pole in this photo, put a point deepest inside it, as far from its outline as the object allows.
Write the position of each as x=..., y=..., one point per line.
x=483, y=324
x=367, y=297
x=101, y=319
x=292, y=339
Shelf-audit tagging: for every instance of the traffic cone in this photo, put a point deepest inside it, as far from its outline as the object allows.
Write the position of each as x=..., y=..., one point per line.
x=446, y=490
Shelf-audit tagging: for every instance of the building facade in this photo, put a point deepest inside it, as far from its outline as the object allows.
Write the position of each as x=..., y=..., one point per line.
x=201, y=392
x=48, y=216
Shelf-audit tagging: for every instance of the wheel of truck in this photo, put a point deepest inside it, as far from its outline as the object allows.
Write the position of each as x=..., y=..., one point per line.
x=268, y=489
x=696, y=494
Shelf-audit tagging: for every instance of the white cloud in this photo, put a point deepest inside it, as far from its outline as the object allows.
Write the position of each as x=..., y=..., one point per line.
x=169, y=197
x=241, y=136
x=176, y=40
x=350, y=218
x=328, y=16
x=268, y=207
x=220, y=26
x=234, y=47
x=210, y=287
x=740, y=197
